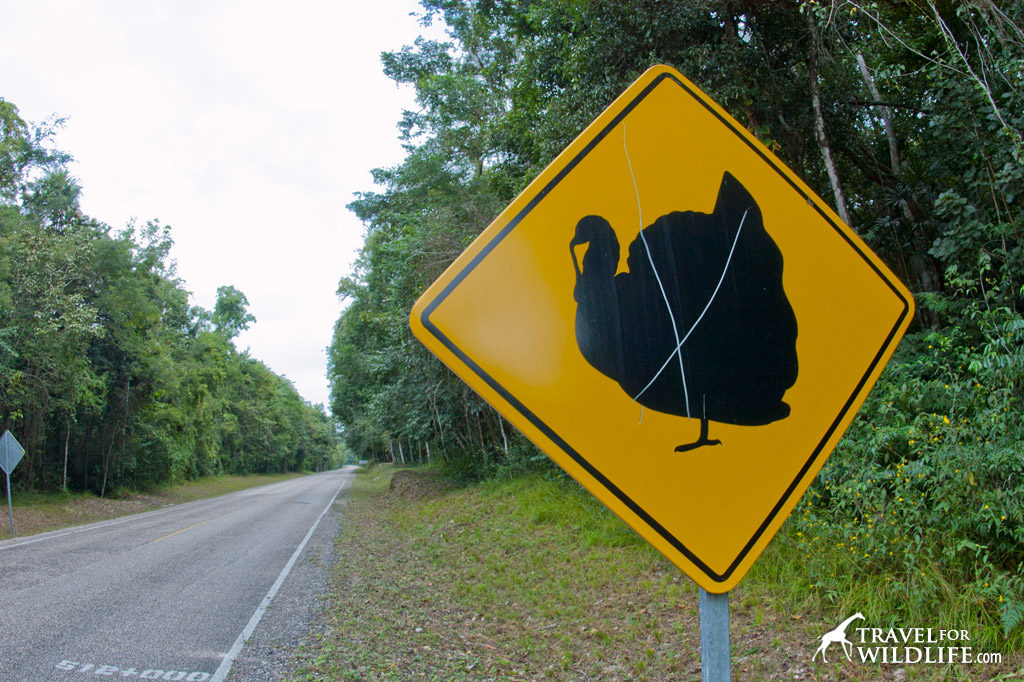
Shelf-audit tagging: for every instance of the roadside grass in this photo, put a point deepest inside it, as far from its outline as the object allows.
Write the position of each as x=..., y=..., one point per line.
x=36, y=512
x=531, y=578
x=925, y=598
x=213, y=486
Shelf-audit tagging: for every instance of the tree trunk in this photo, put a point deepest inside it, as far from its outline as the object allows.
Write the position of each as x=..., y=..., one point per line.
x=85, y=459
x=67, y=442
x=124, y=428
x=28, y=424
x=504, y=438
x=483, y=443
x=437, y=413
x=890, y=132
x=106, y=465
x=819, y=120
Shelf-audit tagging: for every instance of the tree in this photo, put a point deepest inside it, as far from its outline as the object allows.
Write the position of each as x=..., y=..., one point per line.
x=908, y=115
x=107, y=376
x=230, y=313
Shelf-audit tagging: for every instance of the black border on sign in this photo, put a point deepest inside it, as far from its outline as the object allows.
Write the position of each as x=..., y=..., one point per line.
x=550, y=433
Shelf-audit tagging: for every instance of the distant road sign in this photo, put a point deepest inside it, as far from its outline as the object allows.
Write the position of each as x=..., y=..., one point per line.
x=677, y=320
x=11, y=452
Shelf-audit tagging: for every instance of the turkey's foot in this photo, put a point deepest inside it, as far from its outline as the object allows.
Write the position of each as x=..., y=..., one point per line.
x=700, y=442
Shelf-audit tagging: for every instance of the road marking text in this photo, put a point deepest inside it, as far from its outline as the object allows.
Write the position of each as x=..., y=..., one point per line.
x=144, y=674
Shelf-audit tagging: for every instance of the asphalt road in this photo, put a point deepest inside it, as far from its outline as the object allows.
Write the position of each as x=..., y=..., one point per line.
x=203, y=591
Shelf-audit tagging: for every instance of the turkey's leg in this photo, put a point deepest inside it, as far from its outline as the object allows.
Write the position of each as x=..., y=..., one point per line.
x=702, y=438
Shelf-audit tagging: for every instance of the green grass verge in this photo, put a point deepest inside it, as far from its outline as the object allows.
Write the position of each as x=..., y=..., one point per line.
x=531, y=578
x=212, y=486
x=36, y=512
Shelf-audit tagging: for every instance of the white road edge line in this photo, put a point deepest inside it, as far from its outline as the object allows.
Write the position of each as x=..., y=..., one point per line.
x=229, y=660
x=92, y=526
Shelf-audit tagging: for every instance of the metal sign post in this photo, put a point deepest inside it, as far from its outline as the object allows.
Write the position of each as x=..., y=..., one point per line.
x=10, y=507
x=11, y=453
x=714, y=637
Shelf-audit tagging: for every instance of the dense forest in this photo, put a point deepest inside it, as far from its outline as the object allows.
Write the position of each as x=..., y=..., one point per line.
x=906, y=116
x=108, y=378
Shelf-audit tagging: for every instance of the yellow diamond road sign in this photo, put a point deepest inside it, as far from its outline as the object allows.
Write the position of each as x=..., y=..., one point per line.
x=677, y=320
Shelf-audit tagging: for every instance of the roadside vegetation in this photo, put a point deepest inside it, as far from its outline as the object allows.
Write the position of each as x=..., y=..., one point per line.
x=38, y=512
x=908, y=117
x=530, y=578
x=108, y=377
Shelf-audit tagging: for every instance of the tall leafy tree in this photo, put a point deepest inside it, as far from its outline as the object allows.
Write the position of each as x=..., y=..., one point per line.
x=906, y=115
x=107, y=376
x=230, y=313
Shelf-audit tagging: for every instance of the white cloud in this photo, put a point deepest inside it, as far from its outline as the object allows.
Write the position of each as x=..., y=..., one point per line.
x=245, y=125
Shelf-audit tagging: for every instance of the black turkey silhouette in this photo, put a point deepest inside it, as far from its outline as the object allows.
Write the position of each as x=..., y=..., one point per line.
x=699, y=326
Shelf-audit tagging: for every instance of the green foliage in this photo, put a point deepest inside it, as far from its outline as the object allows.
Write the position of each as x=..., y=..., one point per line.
x=932, y=189
x=923, y=110
x=107, y=377
x=230, y=315
x=24, y=150
x=925, y=489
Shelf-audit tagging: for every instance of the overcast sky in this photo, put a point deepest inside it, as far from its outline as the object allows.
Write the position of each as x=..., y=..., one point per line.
x=245, y=125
